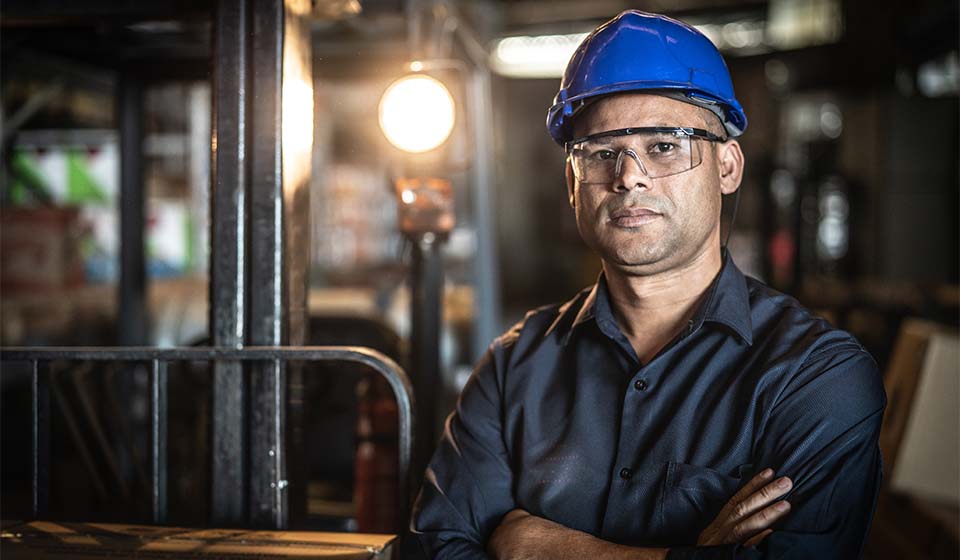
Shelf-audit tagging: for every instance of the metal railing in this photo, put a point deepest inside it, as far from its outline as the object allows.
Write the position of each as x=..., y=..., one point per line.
x=159, y=358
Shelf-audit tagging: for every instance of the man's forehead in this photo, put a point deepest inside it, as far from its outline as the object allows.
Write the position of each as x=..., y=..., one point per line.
x=623, y=110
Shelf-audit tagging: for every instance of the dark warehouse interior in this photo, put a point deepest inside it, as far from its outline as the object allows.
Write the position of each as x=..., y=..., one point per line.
x=232, y=299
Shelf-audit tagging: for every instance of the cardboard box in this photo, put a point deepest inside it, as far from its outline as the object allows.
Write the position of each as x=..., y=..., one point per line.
x=39, y=250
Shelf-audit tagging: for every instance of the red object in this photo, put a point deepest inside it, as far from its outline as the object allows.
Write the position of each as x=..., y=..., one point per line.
x=781, y=250
x=39, y=250
x=375, y=465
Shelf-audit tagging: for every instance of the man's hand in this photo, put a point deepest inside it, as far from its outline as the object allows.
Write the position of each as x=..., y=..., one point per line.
x=747, y=517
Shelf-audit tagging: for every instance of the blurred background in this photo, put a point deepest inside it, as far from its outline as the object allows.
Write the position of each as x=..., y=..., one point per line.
x=142, y=198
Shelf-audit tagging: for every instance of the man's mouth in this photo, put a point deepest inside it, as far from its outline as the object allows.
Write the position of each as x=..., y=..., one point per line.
x=633, y=217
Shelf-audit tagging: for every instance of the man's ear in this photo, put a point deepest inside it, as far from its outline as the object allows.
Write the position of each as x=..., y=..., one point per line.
x=730, y=165
x=568, y=171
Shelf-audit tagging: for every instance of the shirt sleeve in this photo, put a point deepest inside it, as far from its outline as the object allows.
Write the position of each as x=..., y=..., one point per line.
x=468, y=484
x=822, y=433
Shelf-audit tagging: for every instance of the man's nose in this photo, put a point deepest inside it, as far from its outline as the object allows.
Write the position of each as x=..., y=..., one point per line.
x=630, y=172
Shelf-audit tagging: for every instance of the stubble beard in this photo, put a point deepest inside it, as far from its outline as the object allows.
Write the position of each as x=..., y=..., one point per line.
x=633, y=252
x=639, y=255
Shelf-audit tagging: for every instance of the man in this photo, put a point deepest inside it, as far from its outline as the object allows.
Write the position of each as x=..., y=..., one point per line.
x=645, y=417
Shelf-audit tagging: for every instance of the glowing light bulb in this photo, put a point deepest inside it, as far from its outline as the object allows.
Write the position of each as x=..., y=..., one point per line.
x=416, y=113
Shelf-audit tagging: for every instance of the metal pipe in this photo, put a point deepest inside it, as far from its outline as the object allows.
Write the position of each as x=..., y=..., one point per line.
x=486, y=265
x=426, y=323
x=383, y=365
x=158, y=441
x=40, y=412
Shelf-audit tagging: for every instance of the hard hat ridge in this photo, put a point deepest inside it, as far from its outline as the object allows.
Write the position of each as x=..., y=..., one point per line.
x=639, y=51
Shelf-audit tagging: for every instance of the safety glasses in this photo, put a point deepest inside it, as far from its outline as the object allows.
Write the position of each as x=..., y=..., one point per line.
x=658, y=152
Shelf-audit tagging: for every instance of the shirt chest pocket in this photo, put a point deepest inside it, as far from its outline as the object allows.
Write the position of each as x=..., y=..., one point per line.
x=690, y=498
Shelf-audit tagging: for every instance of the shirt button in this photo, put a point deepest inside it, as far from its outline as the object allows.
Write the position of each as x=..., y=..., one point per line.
x=625, y=473
x=640, y=384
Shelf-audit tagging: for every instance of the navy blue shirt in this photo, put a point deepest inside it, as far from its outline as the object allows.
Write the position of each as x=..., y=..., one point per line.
x=560, y=418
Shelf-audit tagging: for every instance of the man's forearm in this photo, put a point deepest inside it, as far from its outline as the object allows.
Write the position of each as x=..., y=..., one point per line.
x=522, y=536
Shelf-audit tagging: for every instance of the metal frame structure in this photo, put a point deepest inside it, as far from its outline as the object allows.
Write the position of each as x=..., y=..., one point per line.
x=259, y=257
x=228, y=258
x=259, y=226
x=158, y=358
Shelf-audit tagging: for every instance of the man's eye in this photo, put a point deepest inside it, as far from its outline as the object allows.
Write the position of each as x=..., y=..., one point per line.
x=662, y=148
x=604, y=155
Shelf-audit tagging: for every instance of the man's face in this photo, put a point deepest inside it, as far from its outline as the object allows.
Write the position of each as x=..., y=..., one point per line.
x=642, y=225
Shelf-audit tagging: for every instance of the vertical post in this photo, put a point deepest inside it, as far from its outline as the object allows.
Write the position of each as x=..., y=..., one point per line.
x=132, y=323
x=486, y=265
x=228, y=260
x=158, y=441
x=266, y=264
x=281, y=142
x=40, y=390
x=426, y=306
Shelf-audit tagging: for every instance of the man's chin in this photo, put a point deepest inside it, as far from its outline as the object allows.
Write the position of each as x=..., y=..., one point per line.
x=639, y=264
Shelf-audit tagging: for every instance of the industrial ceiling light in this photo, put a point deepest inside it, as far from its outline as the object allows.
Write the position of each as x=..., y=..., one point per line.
x=416, y=113
x=543, y=56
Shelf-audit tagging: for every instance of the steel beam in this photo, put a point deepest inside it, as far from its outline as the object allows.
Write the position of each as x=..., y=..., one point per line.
x=266, y=480
x=228, y=275
x=260, y=240
x=426, y=313
x=279, y=238
x=132, y=321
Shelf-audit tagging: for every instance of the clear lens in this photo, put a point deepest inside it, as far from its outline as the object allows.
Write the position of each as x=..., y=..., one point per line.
x=658, y=154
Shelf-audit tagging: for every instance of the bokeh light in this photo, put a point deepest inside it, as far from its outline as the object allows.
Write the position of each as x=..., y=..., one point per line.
x=416, y=113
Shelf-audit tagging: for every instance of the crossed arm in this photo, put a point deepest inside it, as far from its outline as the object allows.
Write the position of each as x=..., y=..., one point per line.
x=822, y=433
x=745, y=519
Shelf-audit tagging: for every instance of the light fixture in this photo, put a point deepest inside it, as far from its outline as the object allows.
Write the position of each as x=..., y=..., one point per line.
x=416, y=113
x=543, y=56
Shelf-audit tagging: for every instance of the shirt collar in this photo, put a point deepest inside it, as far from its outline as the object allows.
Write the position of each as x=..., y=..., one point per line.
x=727, y=303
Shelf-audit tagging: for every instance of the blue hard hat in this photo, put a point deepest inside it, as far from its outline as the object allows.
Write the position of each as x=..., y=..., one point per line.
x=638, y=51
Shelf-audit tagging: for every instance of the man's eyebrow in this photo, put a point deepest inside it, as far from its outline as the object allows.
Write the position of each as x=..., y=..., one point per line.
x=675, y=125
x=606, y=140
